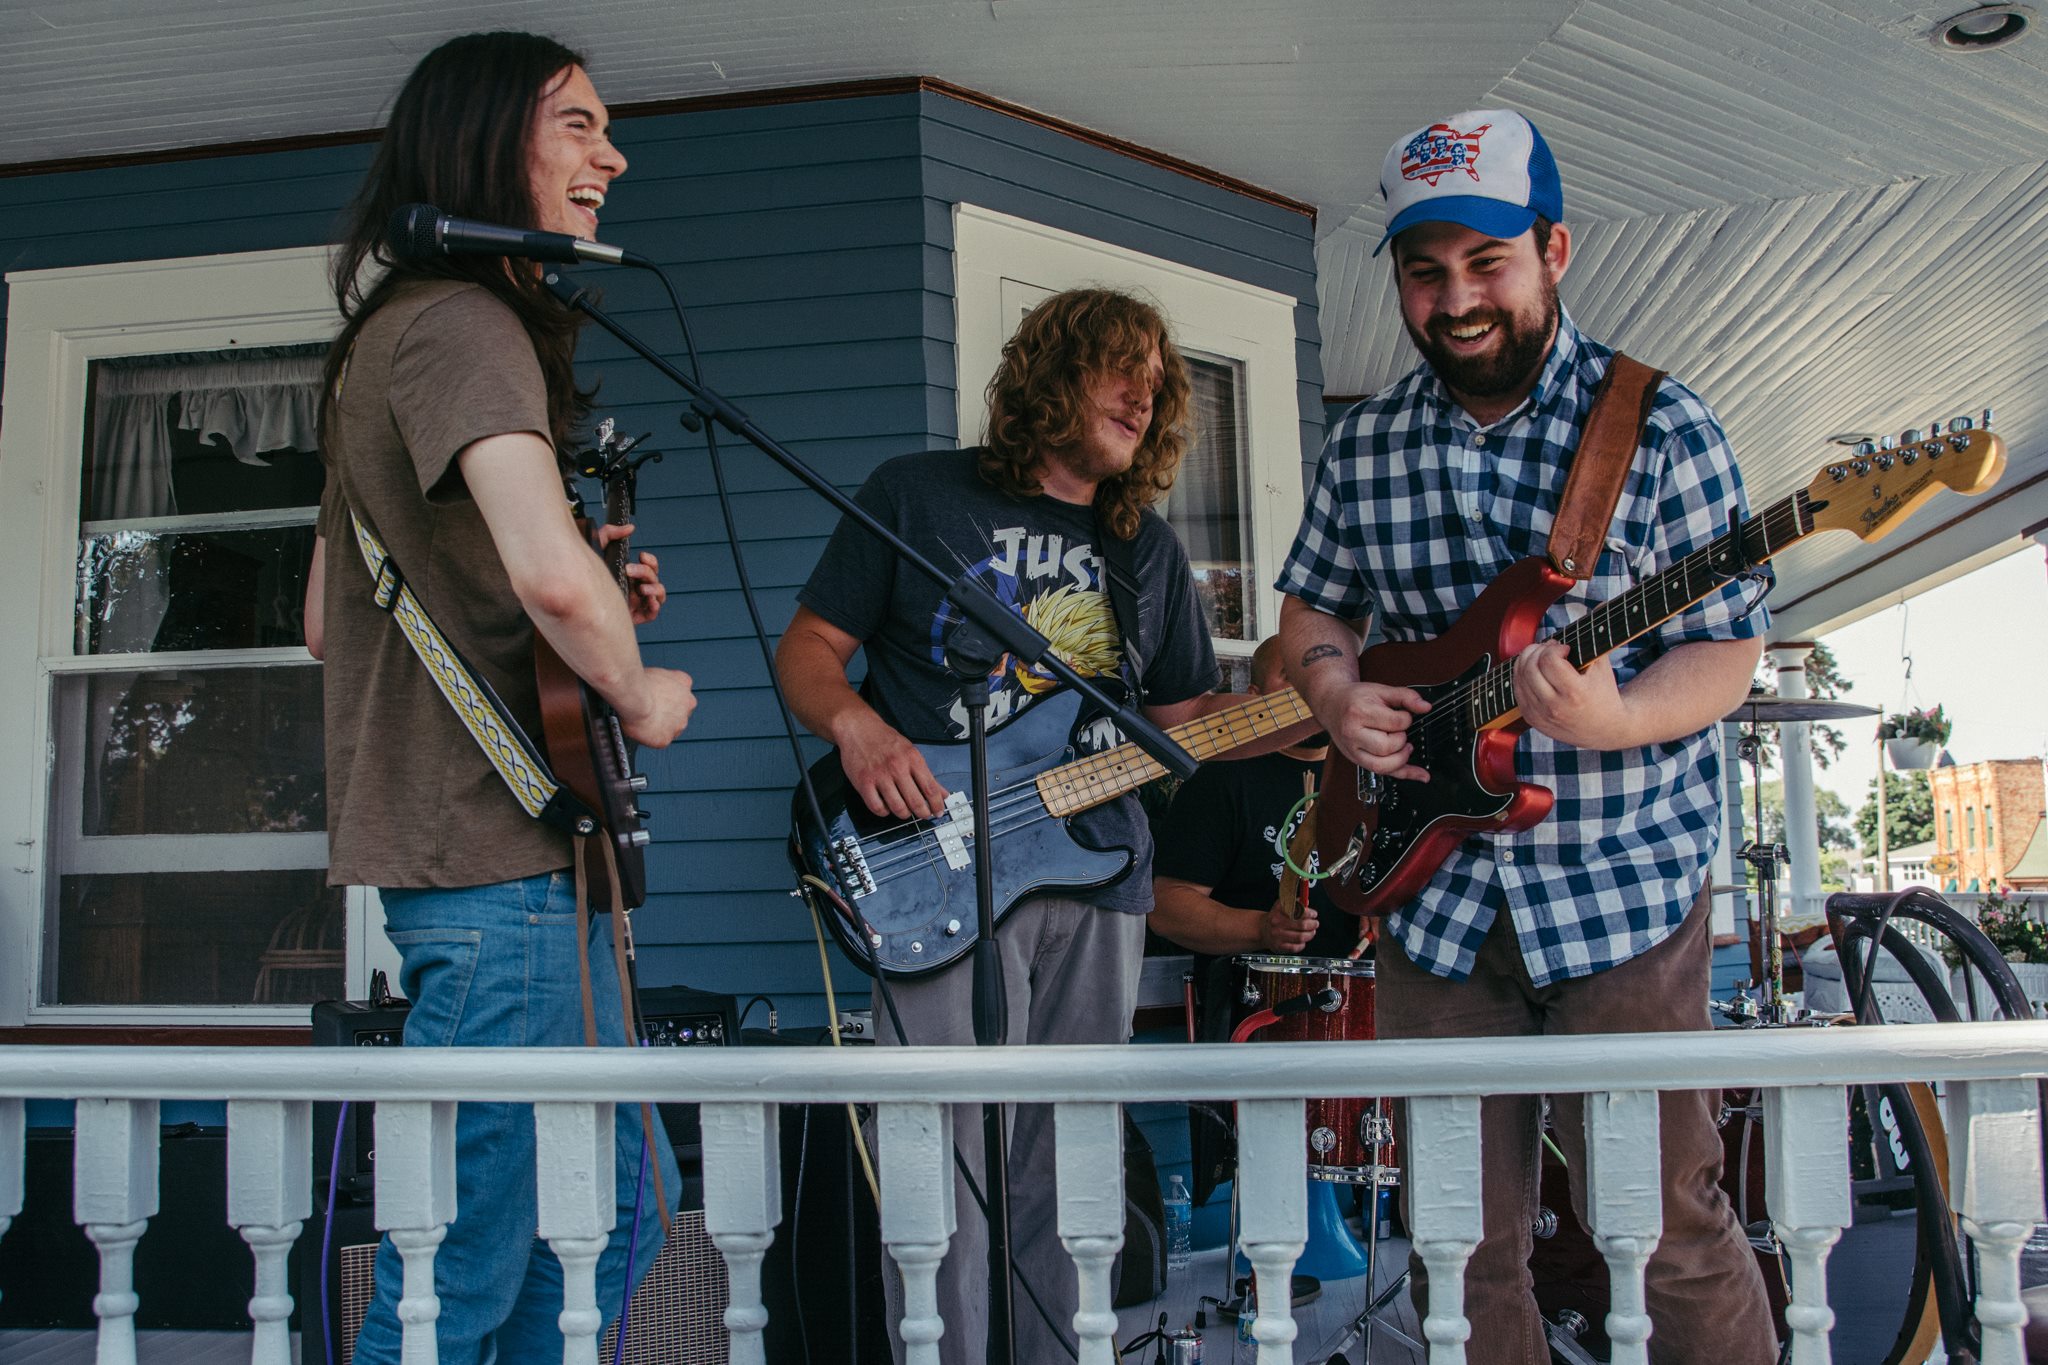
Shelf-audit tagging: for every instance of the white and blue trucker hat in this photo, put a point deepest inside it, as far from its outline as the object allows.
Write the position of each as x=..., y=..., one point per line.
x=1488, y=169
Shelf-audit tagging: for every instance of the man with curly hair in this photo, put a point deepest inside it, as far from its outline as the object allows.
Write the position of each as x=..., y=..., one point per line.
x=1087, y=422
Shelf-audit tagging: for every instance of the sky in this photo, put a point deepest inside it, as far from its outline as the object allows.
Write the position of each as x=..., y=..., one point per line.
x=1977, y=645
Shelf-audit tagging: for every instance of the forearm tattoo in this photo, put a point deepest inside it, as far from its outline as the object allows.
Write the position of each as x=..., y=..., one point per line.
x=1317, y=653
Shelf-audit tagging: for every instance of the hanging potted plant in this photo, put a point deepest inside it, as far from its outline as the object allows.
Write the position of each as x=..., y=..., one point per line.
x=1913, y=739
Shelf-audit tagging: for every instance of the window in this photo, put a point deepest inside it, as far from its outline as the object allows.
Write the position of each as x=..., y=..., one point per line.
x=174, y=845
x=1948, y=829
x=1969, y=827
x=1237, y=498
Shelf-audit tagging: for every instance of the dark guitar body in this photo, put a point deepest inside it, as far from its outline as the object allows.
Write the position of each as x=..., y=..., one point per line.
x=588, y=749
x=1407, y=829
x=592, y=758
x=921, y=907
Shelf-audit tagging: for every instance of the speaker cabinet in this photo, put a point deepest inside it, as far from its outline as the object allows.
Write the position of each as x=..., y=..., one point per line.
x=677, y=1316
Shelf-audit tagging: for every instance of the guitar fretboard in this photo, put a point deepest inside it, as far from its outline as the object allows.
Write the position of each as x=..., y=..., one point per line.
x=1088, y=782
x=1490, y=700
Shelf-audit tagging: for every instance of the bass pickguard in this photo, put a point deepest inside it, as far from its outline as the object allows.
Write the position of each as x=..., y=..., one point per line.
x=912, y=882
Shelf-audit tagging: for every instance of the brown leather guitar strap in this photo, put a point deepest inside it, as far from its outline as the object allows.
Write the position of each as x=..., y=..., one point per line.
x=1600, y=466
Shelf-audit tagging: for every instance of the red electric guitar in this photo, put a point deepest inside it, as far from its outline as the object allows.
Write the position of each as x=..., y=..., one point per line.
x=1387, y=838
x=586, y=746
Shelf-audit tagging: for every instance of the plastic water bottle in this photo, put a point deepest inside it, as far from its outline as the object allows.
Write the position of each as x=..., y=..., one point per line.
x=1180, y=1226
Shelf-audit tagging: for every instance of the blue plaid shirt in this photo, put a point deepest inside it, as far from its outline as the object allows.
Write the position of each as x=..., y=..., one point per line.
x=1416, y=509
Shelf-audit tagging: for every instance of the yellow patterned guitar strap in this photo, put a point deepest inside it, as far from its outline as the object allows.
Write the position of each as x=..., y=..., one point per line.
x=482, y=713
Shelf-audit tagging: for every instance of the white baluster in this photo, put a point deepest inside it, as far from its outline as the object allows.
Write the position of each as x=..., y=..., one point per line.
x=1088, y=1142
x=270, y=1194
x=1807, y=1194
x=13, y=1155
x=1442, y=1154
x=915, y=1146
x=1272, y=1174
x=1625, y=1202
x=114, y=1195
x=575, y=1159
x=415, y=1204
x=1995, y=1180
x=742, y=1205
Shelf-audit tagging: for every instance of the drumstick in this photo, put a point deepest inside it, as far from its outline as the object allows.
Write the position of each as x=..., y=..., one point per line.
x=1294, y=887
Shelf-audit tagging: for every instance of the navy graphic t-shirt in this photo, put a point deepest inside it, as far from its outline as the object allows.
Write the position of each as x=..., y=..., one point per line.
x=1039, y=556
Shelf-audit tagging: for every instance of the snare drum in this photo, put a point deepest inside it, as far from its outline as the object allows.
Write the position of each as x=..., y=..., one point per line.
x=1349, y=1140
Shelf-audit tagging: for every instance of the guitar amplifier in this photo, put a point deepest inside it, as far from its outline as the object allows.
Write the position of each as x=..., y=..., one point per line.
x=351, y=1023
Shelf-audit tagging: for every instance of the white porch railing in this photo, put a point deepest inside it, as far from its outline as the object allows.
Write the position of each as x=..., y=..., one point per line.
x=1993, y=1124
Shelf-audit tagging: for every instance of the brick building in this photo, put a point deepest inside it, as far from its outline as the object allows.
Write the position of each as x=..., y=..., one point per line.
x=1985, y=814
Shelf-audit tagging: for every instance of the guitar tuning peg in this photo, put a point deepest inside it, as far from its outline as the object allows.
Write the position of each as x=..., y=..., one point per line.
x=1956, y=424
x=1985, y=421
x=1866, y=447
x=1888, y=443
x=1910, y=436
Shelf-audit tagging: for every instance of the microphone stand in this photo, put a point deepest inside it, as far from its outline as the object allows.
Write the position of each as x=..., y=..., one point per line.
x=987, y=631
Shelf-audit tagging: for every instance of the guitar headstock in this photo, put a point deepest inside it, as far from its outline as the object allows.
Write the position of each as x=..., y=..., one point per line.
x=1876, y=487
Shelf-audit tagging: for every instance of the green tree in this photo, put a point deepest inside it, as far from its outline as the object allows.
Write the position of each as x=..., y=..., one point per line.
x=1831, y=816
x=1822, y=680
x=1908, y=813
x=1830, y=813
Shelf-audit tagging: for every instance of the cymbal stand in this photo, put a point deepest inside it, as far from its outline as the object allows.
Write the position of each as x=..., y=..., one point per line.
x=1765, y=859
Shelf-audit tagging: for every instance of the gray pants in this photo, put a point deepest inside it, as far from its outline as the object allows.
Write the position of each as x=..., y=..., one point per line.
x=1070, y=975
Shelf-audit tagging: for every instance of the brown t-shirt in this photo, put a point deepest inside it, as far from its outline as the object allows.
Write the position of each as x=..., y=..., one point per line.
x=411, y=799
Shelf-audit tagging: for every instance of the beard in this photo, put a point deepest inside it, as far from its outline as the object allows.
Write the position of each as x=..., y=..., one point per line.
x=1524, y=341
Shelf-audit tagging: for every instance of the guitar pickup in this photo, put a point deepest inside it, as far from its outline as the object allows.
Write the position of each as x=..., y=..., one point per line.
x=1368, y=788
x=955, y=830
x=852, y=866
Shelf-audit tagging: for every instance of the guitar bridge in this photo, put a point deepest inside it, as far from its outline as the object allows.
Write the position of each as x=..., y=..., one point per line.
x=955, y=830
x=852, y=866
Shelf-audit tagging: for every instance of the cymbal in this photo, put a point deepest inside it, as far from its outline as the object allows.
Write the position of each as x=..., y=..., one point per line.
x=1767, y=710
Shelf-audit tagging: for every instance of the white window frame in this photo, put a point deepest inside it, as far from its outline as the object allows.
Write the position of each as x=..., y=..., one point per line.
x=58, y=323
x=997, y=257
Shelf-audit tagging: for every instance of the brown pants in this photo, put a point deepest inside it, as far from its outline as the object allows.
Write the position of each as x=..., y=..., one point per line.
x=1706, y=1297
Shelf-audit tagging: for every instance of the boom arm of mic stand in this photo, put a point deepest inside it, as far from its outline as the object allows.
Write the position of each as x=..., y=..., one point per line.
x=975, y=602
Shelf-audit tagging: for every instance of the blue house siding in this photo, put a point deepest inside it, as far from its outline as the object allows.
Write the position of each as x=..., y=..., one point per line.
x=811, y=243
x=980, y=156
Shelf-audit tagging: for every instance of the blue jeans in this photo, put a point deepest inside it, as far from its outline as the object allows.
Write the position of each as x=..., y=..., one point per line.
x=495, y=966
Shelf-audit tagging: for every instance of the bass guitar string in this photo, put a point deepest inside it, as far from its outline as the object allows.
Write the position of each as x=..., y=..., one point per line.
x=1103, y=765
x=914, y=853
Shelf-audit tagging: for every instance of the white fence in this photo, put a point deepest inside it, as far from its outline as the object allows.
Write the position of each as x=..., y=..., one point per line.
x=1993, y=1122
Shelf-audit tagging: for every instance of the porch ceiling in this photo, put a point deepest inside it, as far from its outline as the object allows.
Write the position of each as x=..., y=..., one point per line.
x=1804, y=207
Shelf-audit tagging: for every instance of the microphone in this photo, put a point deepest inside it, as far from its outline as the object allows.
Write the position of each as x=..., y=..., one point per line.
x=420, y=232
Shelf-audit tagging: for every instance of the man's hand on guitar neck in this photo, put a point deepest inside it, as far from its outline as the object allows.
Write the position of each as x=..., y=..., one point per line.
x=1585, y=710
x=648, y=593
x=1681, y=693
x=1368, y=722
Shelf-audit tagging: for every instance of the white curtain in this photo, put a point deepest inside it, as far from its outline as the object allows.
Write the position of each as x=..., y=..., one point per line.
x=250, y=403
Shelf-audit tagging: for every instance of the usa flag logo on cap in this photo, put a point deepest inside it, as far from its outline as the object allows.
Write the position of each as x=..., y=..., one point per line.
x=1438, y=150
